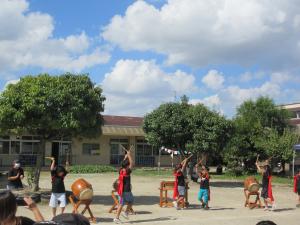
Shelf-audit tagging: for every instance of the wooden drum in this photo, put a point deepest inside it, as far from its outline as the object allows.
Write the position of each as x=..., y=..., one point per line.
x=82, y=189
x=251, y=184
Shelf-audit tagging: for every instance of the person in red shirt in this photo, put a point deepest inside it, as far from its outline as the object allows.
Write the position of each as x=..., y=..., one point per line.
x=124, y=187
x=180, y=185
x=297, y=186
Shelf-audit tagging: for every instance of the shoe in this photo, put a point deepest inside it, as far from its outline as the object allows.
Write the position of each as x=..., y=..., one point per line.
x=175, y=204
x=266, y=208
x=125, y=215
x=274, y=207
x=117, y=221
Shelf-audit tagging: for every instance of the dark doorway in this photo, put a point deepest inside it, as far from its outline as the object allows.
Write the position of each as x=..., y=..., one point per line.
x=55, y=150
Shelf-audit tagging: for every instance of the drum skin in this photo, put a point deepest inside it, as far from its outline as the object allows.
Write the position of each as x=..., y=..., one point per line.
x=251, y=184
x=82, y=189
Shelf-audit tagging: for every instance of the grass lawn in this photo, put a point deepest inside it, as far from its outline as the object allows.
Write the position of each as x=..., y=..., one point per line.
x=168, y=173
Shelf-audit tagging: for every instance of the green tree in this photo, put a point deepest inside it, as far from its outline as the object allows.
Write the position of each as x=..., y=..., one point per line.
x=187, y=127
x=210, y=131
x=168, y=126
x=279, y=146
x=51, y=107
x=250, y=124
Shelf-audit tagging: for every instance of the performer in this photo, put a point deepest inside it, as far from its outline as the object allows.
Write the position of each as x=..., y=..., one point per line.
x=15, y=176
x=297, y=187
x=180, y=185
x=266, y=192
x=204, y=192
x=58, y=174
x=124, y=187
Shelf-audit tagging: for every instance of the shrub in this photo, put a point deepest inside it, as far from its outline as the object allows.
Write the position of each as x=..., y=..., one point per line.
x=91, y=169
x=30, y=173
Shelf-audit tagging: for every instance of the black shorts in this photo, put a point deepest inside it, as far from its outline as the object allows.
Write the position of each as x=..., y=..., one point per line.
x=265, y=193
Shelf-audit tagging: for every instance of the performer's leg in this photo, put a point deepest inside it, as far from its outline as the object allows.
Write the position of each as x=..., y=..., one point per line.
x=119, y=210
x=54, y=212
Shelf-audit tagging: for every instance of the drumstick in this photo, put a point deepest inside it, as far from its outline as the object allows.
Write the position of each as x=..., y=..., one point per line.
x=48, y=157
x=124, y=148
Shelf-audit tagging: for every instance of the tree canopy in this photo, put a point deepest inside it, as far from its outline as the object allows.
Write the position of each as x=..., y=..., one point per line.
x=260, y=127
x=52, y=107
x=186, y=127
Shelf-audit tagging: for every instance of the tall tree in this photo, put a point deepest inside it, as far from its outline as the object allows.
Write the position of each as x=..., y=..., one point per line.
x=252, y=121
x=51, y=107
x=210, y=131
x=168, y=126
x=186, y=127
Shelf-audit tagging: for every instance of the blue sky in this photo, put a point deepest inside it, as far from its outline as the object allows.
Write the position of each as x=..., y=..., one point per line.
x=144, y=53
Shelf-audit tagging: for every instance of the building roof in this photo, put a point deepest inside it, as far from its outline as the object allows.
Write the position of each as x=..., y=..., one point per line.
x=127, y=121
x=293, y=106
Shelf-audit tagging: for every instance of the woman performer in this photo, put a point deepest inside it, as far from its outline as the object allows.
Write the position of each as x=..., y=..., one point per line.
x=266, y=192
x=297, y=187
x=180, y=185
x=124, y=188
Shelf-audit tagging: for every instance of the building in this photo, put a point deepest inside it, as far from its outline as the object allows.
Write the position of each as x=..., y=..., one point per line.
x=117, y=131
x=295, y=110
x=295, y=121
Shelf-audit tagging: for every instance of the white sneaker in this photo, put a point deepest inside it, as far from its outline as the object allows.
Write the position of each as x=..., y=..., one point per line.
x=117, y=221
x=274, y=206
x=175, y=204
x=125, y=215
x=266, y=208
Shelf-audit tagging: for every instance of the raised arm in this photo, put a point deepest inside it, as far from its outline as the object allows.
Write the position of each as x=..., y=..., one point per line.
x=130, y=159
x=33, y=207
x=52, y=167
x=185, y=161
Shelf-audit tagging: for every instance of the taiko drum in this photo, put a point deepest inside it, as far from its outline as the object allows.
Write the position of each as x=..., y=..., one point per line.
x=82, y=189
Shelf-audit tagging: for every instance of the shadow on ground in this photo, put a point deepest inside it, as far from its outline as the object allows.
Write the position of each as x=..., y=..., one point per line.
x=227, y=184
x=138, y=200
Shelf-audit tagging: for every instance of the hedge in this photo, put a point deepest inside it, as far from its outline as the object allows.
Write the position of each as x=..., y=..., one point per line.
x=76, y=169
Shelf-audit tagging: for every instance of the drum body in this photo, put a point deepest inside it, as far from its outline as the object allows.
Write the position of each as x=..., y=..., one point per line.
x=82, y=189
x=251, y=184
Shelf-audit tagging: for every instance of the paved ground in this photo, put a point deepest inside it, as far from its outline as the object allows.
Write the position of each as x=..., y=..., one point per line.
x=226, y=204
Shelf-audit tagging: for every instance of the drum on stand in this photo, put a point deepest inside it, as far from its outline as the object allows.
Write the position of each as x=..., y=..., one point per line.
x=82, y=190
x=251, y=184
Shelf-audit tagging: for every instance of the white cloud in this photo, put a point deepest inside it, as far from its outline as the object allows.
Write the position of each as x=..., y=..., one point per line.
x=197, y=32
x=137, y=86
x=213, y=79
x=11, y=82
x=26, y=40
x=213, y=102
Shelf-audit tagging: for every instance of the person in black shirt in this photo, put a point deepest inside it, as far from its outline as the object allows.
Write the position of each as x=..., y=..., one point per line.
x=180, y=185
x=15, y=176
x=124, y=188
x=8, y=206
x=58, y=187
x=266, y=192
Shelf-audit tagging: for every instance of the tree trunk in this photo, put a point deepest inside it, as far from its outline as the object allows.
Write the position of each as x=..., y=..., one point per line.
x=204, y=157
x=38, y=165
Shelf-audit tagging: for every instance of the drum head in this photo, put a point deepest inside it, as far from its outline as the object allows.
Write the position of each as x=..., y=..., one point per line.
x=253, y=187
x=86, y=194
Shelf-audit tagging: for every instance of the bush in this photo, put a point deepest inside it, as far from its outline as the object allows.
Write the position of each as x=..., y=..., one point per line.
x=30, y=173
x=91, y=169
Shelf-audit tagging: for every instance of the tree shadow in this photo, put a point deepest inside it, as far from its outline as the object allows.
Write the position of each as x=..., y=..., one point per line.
x=159, y=219
x=138, y=200
x=227, y=184
x=283, y=210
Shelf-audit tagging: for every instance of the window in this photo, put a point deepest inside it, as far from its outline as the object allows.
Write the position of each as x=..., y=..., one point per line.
x=4, y=147
x=15, y=147
x=143, y=148
x=116, y=151
x=90, y=149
